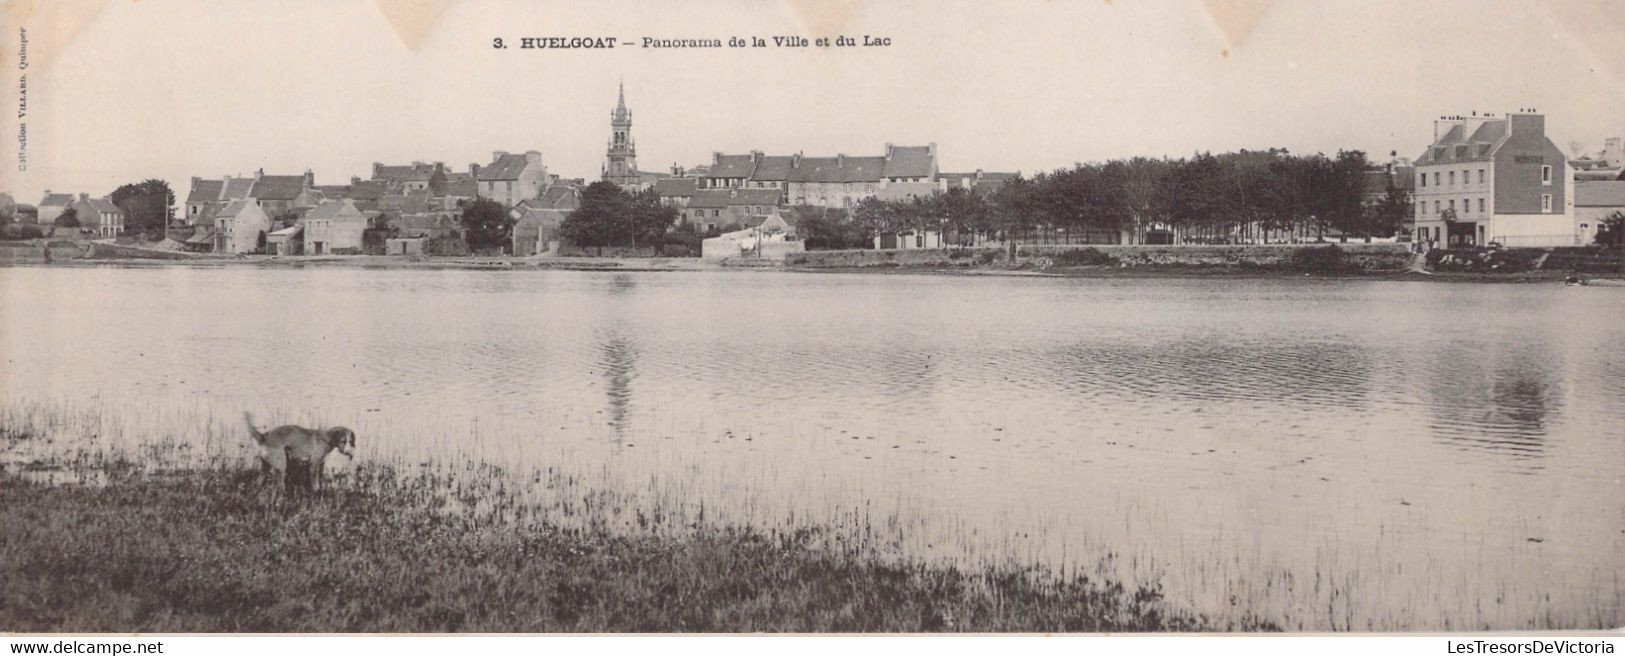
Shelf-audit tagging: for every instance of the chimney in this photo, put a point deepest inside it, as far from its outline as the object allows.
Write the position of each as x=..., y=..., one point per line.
x=840, y=160
x=84, y=197
x=473, y=168
x=355, y=179
x=1526, y=124
x=533, y=157
x=931, y=149
x=716, y=158
x=224, y=185
x=196, y=180
x=310, y=178
x=795, y=160
x=260, y=173
x=416, y=164
x=889, y=148
x=439, y=167
x=377, y=170
x=499, y=154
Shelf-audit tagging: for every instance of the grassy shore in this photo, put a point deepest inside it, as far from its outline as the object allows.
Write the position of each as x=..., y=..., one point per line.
x=217, y=550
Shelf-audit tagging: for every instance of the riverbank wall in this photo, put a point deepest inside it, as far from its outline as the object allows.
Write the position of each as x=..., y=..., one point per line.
x=1294, y=257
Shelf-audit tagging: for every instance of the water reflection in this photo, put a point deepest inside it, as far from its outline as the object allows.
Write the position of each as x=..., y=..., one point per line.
x=618, y=357
x=1491, y=400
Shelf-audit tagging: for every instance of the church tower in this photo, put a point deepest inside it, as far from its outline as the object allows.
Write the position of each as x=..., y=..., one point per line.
x=621, y=163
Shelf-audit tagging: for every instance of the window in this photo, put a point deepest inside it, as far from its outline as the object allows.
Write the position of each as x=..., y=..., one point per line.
x=1435, y=207
x=1481, y=176
x=1480, y=206
x=1545, y=202
x=1435, y=178
x=1423, y=180
x=1546, y=174
x=1452, y=204
x=1452, y=178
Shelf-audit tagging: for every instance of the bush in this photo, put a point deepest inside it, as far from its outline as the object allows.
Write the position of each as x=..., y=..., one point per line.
x=1325, y=258
x=1082, y=257
x=16, y=232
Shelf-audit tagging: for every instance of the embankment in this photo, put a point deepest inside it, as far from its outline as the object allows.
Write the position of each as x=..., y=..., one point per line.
x=1328, y=258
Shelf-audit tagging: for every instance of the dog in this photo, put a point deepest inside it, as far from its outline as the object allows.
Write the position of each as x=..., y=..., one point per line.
x=305, y=449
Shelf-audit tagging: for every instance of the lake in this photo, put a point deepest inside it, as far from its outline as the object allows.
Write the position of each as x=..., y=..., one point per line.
x=1328, y=454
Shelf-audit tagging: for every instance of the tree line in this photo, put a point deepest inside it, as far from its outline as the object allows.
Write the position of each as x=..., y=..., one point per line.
x=1247, y=196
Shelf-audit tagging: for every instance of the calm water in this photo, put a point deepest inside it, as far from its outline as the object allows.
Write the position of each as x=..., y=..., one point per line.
x=1331, y=454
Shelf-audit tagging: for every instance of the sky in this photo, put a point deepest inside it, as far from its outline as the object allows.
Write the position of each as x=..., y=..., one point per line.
x=123, y=90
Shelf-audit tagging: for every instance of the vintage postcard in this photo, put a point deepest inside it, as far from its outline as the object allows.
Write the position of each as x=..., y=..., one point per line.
x=790, y=316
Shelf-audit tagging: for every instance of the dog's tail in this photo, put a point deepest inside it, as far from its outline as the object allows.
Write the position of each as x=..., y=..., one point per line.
x=258, y=436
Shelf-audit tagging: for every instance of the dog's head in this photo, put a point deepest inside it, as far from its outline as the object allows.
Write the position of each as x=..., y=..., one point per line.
x=342, y=439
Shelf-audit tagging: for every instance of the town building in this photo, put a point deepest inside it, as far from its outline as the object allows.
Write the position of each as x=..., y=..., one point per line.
x=512, y=178
x=1594, y=202
x=839, y=181
x=417, y=176
x=714, y=209
x=676, y=192
x=239, y=226
x=334, y=227
x=1488, y=179
x=536, y=225
x=98, y=216
x=280, y=194
x=52, y=206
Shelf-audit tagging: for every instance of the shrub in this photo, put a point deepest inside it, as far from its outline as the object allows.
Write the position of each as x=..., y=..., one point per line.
x=16, y=231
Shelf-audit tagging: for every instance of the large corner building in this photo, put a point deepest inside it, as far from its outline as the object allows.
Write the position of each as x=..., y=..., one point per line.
x=1488, y=179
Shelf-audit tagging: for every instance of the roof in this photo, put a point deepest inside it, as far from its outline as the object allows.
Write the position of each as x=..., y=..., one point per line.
x=203, y=236
x=732, y=166
x=53, y=200
x=559, y=197
x=103, y=206
x=236, y=207
x=460, y=184
x=415, y=201
x=910, y=162
x=368, y=190
x=290, y=231
x=506, y=167
x=204, y=191
x=774, y=168
x=721, y=198
x=839, y=169
x=238, y=188
x=1599, y=193
x=335, y=209
x=1479, y=145
x=416, y=172
x=278, y=187
x=205, y=217
x=677, y=186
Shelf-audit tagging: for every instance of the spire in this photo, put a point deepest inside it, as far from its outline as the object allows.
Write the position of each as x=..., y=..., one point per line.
x=620, y=105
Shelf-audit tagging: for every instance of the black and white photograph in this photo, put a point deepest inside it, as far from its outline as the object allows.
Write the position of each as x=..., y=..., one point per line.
x=804, y=317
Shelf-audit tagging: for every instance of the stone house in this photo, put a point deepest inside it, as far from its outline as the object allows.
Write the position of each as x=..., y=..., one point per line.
x=239, y=226
x=335, y=227
x=99, y=216
x=512, y=178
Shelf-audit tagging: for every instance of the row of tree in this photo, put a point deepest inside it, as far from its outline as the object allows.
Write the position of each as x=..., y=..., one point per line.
x=1245, y=196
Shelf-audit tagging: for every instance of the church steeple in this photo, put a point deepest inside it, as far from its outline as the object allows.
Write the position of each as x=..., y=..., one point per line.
x=620, y=163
